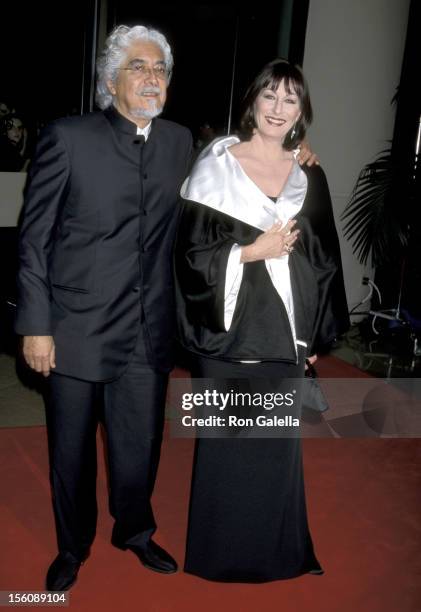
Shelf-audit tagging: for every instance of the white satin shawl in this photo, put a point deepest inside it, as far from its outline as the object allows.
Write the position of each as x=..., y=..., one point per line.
x=218, y=181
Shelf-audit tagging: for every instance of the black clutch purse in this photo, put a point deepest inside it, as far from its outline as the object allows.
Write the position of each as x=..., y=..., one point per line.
x=313, y=397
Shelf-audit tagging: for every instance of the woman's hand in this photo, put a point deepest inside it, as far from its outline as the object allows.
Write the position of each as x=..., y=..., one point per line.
x=275, y=242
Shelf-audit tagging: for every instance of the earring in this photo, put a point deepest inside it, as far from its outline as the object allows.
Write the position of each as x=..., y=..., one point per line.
x=293, y=131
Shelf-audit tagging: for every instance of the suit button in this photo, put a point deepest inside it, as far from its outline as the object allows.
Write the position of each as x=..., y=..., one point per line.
x=143, y=212
x=145, y=176
x=143, y=249
x=136, y=289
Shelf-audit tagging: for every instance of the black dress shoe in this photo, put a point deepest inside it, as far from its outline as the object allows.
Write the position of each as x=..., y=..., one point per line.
x=155, y=558
x=62, y=573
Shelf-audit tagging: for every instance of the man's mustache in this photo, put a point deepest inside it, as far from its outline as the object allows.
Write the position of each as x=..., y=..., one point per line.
x=148, y=90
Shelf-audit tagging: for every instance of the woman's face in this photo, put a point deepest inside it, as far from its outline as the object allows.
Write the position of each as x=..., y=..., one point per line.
x=275, y=112
x=15, y=131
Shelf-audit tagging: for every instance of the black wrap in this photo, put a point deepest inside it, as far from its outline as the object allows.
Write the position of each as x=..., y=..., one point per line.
x=260, y=328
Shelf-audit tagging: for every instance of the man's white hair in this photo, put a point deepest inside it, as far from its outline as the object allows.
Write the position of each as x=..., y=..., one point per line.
x=115, y=51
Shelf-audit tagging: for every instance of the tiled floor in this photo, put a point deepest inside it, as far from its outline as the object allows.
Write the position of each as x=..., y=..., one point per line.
x=21, y=403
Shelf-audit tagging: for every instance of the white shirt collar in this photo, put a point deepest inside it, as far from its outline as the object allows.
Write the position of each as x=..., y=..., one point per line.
x=144, y=131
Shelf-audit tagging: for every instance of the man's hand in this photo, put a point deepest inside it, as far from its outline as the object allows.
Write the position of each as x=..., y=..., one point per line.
x=40, y=353
x=306, y=155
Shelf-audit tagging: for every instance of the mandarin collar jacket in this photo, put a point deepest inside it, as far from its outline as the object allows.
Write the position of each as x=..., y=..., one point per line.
x=96, y=241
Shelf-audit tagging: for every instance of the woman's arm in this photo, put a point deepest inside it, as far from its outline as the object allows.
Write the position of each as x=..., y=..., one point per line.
x=275, y=242
x=211, y=251
x=320, y=240
x=205, y=240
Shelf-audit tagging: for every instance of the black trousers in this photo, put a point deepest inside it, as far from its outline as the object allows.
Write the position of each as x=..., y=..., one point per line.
x=133, y=408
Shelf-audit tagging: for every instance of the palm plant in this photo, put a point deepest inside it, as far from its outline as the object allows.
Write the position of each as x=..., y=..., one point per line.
x=376, y=217
x=383, y=202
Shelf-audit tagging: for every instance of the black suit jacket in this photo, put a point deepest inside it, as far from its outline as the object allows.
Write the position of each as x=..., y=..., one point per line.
x=96, y=241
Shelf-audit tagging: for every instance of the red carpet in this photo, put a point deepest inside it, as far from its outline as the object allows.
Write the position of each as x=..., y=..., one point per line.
x=364, y=500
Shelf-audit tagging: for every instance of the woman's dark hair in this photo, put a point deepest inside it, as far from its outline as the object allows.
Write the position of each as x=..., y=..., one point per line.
x=269, y=78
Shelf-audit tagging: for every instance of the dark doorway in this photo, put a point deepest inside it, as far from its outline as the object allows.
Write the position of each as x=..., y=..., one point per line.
x=217, y=49
x=48, y=53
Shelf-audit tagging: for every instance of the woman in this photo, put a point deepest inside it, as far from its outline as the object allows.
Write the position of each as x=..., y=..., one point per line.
x=17, y=136
x=260, y=288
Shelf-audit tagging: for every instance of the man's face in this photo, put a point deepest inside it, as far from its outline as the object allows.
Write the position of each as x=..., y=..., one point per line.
x=140, y=88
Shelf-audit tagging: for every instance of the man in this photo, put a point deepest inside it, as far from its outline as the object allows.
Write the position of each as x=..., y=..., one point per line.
x=96, y=294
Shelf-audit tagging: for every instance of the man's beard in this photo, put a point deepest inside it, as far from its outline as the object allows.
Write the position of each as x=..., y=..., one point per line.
x=143, y=113
x=149, y=113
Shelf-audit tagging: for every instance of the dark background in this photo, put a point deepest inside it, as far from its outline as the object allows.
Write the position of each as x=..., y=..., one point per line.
x=46, y=53
x=205, y=38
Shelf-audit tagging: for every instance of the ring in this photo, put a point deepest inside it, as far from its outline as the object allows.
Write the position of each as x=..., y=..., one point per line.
x=288, y=248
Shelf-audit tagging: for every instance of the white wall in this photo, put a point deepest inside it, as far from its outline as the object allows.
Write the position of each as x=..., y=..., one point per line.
x=353, y=57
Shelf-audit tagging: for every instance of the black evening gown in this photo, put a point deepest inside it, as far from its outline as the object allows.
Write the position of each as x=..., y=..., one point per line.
x=247, y=519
